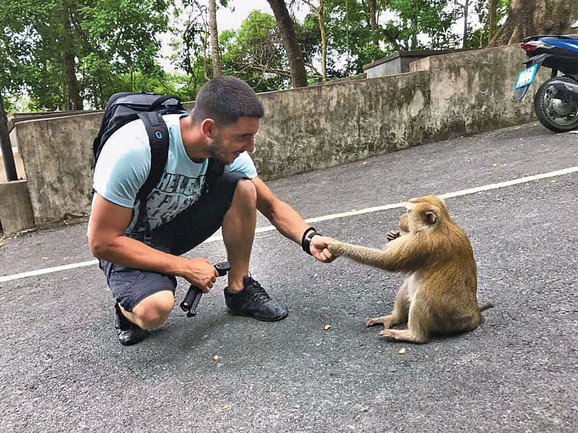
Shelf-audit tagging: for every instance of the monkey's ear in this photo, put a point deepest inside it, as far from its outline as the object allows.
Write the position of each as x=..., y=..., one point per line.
x=431, y=217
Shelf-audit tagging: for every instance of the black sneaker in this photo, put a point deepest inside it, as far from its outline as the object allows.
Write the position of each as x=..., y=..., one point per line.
x=254, y=301
x=128, y=333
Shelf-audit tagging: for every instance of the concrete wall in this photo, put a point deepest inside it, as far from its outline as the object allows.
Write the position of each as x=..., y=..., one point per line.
x=322, y=126
x=57, y=156
x=16, y=212
x=309, y=128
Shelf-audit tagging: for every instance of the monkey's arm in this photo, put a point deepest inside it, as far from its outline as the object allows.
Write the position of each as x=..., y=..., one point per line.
x=384, y=259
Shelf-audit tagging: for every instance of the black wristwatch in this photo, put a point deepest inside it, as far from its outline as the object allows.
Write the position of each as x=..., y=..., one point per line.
x=306, y=239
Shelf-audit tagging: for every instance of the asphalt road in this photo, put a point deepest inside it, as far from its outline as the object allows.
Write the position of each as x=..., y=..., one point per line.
x=62, y=369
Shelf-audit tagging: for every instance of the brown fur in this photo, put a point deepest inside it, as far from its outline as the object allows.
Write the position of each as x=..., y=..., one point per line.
x=439, y=294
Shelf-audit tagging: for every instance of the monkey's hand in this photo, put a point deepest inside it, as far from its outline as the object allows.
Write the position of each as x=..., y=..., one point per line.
x=335, y=248
x=319, y=250
x=394, y=234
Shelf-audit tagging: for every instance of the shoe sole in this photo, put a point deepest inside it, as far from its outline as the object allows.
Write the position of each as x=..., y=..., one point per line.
x=244, y=314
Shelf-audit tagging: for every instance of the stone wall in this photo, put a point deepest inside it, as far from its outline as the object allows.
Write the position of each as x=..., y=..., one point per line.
x=57, y=156
x=446, y=95
x=309, y=128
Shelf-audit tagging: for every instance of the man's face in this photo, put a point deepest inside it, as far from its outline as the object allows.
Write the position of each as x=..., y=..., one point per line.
x=232, y=140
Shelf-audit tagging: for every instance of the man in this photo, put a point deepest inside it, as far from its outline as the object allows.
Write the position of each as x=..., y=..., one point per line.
x=181, y=213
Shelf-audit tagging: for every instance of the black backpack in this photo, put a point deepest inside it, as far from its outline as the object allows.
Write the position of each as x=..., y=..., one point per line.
x=125, y=107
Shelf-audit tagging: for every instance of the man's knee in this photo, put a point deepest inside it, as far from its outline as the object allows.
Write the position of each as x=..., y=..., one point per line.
x=154, y=310
x=245, y=191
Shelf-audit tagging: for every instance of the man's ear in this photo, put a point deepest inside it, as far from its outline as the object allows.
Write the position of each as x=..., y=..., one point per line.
x=209, y=128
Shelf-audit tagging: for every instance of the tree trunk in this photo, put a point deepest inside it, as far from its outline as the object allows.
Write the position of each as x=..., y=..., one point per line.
x=373, y=20
x=466, y=6
x=492, y=18
x=294, y=53
x=373, y=15
x=323, y=40
x=216, y=57
x=5, y=144
x=72, y=89
x=322, y=30
x=536, y=17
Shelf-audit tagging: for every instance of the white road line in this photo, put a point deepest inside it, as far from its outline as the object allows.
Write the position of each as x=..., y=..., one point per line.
x=323, y=218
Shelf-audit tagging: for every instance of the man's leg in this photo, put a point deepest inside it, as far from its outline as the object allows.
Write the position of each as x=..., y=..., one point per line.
x=144, y=300
x=152, y=311
x=232, y=205
x=239, y=231
x=245, y=296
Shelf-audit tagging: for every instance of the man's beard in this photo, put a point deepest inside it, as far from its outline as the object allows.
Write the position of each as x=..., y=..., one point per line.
x=216, y=150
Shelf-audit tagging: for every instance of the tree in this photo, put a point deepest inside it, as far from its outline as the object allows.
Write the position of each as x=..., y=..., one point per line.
x=5, y=145
x=414, y=18
x=215, y=56
x=323, y=32
x=290, y=42
x=350, y=37
x=536, y=17
x=255, y=53
x=465, y=37
x=492, y=14
x=13, y=69
x=83, y=50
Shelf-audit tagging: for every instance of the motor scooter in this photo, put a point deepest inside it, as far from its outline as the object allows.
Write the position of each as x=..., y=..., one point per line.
x=556, y=101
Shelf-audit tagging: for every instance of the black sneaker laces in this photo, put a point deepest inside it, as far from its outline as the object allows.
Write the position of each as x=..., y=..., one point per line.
x=256, y=293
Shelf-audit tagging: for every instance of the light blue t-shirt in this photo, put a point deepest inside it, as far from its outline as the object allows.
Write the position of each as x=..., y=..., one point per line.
x=124, y=164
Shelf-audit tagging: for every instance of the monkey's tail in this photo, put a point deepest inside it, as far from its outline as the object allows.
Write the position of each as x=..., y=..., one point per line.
x=485, y=306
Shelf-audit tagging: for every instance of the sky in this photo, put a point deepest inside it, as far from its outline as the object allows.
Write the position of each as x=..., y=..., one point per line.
x=227, y=20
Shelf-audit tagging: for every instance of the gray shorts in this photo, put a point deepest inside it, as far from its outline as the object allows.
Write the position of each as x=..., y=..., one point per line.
x=190, y=228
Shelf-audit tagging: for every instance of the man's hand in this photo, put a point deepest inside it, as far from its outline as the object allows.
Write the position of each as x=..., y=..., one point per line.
x=201, y=273
x=318, y=248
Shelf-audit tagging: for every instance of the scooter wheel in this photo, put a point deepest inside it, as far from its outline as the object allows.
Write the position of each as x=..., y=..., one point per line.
x=554, y=109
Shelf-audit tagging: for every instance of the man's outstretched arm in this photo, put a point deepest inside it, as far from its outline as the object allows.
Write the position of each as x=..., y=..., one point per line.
x=288, y=221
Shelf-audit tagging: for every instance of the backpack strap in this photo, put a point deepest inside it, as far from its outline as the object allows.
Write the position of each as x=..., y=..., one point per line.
x=214, y=170
x=160, y=101
x=159, y=141
x=158, y=134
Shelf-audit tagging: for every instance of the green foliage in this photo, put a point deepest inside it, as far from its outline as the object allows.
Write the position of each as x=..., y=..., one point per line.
x=255, y=53
x=106, y=46
x=109, y=42
x=422, y=24
x=480, y=37
x=350, y=39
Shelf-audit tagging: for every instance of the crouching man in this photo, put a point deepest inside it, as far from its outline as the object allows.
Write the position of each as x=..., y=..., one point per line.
x=180, y=213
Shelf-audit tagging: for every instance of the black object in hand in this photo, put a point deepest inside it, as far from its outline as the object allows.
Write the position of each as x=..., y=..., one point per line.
x=193, y=297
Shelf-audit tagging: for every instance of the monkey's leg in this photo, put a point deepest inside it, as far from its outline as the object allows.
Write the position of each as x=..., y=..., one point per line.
x=417, y=327
x=403, y=335
x=400, y=311
x=386, y=321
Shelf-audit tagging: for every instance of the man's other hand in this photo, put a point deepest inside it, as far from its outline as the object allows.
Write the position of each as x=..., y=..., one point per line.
x=201, y=273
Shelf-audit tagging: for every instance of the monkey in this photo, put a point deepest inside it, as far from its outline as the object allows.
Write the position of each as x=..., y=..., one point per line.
x=439, y=294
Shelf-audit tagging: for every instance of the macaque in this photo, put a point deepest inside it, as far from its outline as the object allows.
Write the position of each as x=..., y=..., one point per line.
x=439, y=294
